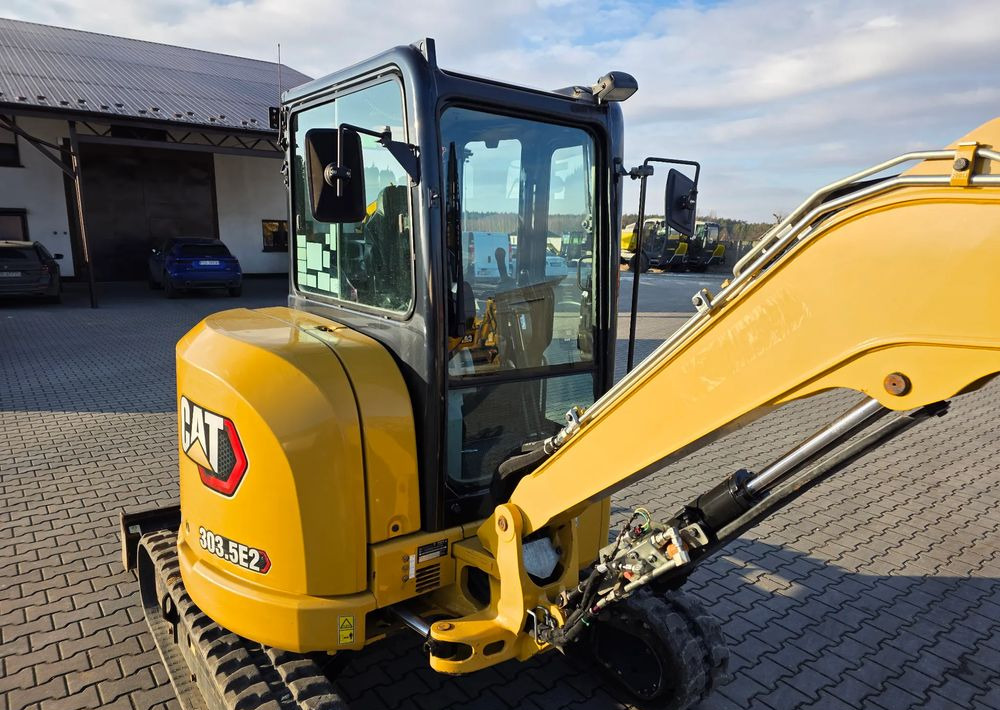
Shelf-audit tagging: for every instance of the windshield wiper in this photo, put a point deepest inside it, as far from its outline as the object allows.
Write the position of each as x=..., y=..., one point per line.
x=453, y=243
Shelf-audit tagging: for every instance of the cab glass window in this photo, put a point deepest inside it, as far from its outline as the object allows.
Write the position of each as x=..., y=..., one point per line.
x=369, y=262
x=527, y=214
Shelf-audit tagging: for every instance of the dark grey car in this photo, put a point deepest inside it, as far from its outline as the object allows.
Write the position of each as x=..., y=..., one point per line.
x=28, y=269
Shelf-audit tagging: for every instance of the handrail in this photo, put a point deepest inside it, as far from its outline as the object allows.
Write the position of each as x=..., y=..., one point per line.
x=773, y=233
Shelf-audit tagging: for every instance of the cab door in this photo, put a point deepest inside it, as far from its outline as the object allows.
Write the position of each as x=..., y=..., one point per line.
x=525, y=356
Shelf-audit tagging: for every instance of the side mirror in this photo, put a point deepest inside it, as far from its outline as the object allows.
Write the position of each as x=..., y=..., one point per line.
x=57, y=255
x=681, y=202
x=336, y=175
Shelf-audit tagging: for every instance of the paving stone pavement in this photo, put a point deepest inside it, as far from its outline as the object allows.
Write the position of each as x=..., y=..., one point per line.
x=880, y=588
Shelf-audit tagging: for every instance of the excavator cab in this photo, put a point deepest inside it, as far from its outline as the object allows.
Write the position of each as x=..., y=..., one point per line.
x=492, y=168
x=338, y=455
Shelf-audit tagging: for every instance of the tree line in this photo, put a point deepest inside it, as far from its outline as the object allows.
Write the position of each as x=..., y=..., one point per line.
x=730, y=230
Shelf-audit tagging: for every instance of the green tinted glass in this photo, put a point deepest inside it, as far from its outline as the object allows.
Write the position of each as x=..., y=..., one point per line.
x=368, y=262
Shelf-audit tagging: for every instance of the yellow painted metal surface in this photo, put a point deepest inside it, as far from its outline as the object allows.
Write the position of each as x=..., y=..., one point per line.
x=407, y=566
x=302, y=498
x=629, y=236
x=592, y=530
x=390, y=440
x=962, y=168
x=283, y=385
x=294, y=622
x=495, y=633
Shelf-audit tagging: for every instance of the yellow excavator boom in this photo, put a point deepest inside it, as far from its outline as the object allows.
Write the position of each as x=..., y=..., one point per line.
x=807, y=316
x=852, y=290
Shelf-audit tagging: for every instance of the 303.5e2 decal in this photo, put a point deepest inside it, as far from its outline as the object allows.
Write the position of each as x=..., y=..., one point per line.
x=245, y=556
x=212, y=442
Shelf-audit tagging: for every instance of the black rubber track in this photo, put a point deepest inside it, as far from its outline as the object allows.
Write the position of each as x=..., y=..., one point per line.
x=233, y=673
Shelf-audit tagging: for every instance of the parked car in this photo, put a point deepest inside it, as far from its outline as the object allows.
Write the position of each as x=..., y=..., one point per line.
x=479, y=250
x=555, y=265
x=184, y=263
x=28, y=269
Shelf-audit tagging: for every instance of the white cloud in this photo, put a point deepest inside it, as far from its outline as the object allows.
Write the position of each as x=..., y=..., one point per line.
x=883, y=22
x=775, y=97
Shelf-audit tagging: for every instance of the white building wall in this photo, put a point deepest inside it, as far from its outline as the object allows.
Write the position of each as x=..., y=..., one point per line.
x=247, y=191
x=38, y=188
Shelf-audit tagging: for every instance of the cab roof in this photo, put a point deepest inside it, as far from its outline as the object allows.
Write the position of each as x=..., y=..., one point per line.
x=427, y=49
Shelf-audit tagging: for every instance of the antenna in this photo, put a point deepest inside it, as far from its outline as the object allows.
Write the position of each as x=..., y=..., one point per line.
x=279, y=73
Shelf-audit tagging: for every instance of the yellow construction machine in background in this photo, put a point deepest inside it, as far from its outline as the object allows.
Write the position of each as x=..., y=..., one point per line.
x=667, y=249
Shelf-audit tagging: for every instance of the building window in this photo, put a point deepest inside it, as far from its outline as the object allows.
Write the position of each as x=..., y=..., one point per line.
x=275, y=234
x=13, y=225
x=9, y=156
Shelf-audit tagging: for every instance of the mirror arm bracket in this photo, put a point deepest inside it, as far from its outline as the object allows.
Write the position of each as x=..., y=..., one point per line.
x=690, y=200
x=641, y=171
x=406, y=154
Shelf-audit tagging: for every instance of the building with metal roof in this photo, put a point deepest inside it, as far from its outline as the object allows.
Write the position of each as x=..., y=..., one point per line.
x=64, y=70
x=163, y=141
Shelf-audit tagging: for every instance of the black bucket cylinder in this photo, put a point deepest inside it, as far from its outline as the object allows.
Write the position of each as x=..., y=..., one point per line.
x=726, y=502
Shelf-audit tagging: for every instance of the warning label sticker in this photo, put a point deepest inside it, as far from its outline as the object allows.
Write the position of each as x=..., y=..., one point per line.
x=432, y=550
x=346, y=624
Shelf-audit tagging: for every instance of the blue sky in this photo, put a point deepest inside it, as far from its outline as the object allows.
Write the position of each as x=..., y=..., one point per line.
x=774, y=97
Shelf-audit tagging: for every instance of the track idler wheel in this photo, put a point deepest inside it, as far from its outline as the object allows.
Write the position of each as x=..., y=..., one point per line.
x=665, y=650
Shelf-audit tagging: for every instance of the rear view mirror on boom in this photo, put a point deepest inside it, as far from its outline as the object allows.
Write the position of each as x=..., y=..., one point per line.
x=679, y=213
x=336, y=175
x=681, y=202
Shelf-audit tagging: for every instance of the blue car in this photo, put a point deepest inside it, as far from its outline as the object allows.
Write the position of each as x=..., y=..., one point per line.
x=184, y=263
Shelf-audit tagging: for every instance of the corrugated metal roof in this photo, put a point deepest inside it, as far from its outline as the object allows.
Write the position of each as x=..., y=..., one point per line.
x=69, y=70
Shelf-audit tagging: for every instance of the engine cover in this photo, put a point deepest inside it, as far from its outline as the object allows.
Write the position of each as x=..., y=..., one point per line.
x=275, y=527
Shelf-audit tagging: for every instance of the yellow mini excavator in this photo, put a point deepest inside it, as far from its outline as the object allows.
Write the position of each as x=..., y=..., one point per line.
x=348, y=469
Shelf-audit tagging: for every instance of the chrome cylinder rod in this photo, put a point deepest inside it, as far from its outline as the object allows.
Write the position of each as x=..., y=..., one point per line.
x=412, y=620
x=859, y=416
